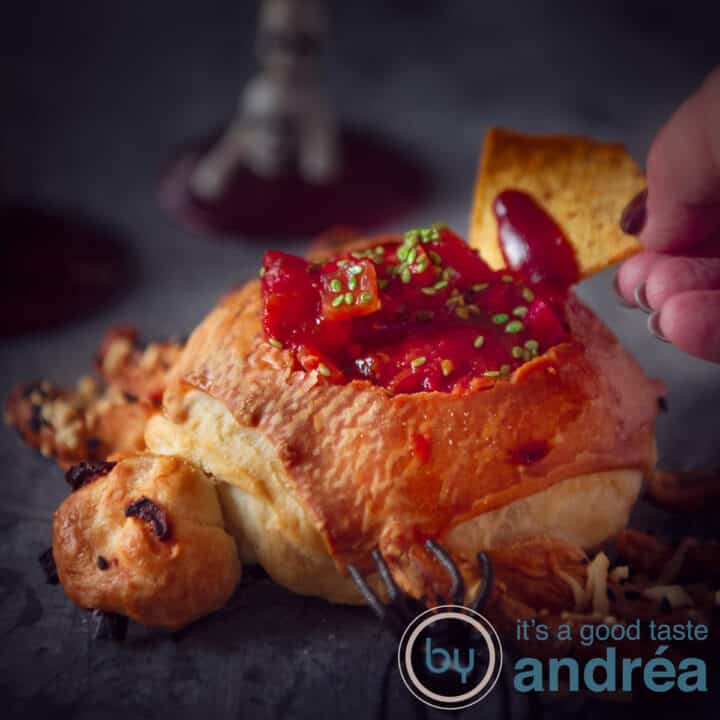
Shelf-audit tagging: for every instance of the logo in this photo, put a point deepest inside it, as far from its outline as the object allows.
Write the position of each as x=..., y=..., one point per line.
x=450, y=657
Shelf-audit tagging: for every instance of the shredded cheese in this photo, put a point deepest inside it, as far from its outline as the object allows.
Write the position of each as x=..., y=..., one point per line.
x=620, y=573
x=676, y=595
x=596, y=584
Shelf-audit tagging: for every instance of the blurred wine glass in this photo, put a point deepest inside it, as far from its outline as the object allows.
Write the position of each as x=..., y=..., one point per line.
x=56, y=266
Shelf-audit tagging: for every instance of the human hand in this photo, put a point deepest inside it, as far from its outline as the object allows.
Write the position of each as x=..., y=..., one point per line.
x=677, y=279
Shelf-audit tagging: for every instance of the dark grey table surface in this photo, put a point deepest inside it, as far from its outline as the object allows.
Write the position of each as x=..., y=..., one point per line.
x=95, y=98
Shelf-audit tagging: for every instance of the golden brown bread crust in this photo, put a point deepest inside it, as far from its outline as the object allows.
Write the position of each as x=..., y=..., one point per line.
x=90, y=422
x=125, y=564
x=348, y=451
x=72, y=425
x=138, y=371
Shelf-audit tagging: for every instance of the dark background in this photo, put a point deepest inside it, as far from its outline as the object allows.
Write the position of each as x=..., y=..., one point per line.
x=94, y=99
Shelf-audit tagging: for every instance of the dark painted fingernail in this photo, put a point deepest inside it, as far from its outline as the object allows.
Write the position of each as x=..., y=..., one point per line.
x=641, y=299
x=654, y=326
x=632, y=219
x=616, y=288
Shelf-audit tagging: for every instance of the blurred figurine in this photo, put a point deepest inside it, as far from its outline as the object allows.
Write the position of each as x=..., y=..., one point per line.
x=285, y=168
x=285, y=123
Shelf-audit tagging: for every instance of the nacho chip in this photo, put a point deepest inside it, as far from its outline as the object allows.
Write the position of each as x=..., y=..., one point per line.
x=583, y=184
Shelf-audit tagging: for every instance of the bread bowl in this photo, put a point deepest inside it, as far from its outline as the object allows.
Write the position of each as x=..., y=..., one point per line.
x=484, y=407
x=316, y=470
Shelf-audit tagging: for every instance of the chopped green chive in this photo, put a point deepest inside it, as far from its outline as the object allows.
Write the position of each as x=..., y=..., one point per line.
x=440, y=284
x=500, y=318
x=349, y=298
x=262, y=272
x=507, y=278
x=355, y=269
x=437, y=260
x=528, y=294
x=504, y=369
x=365, y=298
x=427, y=290
x=412, y=254
x=478, y=342
x=491, y=373
x=432, y=233
x=335, y=285
x=418, y=361
x=405, y=275
x=446, y=365
x=479, y=287
x=352, y=282
x=402, y=253
x=380, y=250
x=520, y=311
x=324, y=370
x=338, y=301
x=517, y=352
x=532, y=345
x=515, y=326
x=275, y=343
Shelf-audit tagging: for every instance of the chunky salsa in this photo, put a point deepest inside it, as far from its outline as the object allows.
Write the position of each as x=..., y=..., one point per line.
x=424, y=312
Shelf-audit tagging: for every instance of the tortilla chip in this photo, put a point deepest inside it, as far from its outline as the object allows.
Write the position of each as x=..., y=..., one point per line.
x=583, y=184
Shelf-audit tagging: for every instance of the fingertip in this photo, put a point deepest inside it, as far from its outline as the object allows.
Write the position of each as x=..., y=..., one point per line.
x=689, y=320
x=665, y=279
x=672, y=275
x=631, y=275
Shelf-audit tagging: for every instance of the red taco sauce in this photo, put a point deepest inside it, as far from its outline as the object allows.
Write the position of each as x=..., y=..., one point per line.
x=424, y=312
x=532, y=243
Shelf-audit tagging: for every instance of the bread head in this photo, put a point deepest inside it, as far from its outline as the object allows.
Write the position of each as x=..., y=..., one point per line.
x=583, y=184
x=146, y=540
